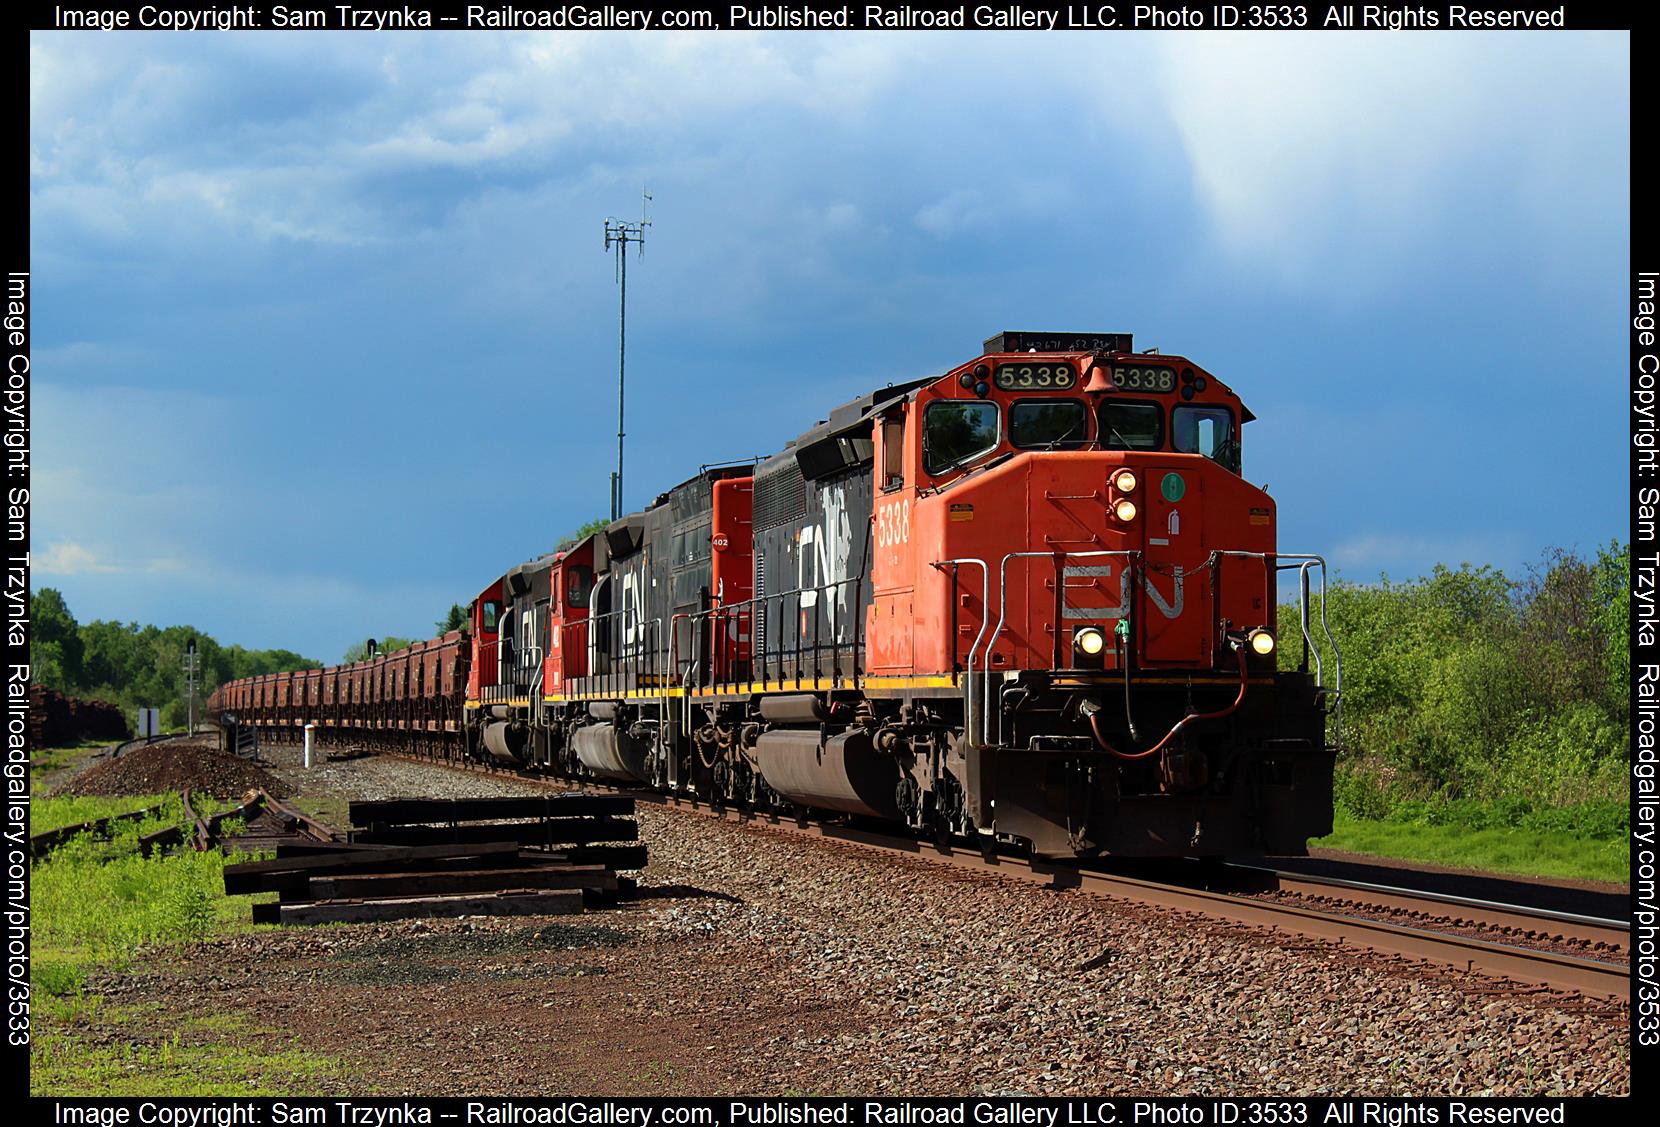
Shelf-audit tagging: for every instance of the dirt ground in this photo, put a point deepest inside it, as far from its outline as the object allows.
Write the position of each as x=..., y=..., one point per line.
x=544, y=1007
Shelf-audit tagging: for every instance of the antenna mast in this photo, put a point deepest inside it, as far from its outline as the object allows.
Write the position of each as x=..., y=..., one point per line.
x=617, y=237
x=191, y=668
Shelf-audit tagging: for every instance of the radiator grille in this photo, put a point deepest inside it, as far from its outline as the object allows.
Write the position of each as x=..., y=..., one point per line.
x=780, y=496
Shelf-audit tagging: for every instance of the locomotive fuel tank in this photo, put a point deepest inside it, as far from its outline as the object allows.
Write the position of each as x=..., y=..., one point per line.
x=611, y=753
x=844, y=772
x=505, y=741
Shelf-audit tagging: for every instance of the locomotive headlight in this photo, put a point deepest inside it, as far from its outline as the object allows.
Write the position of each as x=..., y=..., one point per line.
x=1124, y=481
x=1124, y=511
x=1262, y=641
x=1090, y=641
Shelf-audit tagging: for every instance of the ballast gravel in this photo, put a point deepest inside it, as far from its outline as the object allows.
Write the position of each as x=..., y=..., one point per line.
x=763, y=963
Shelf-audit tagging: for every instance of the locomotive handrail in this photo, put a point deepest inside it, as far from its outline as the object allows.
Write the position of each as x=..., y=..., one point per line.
x=1310, y=560
x=525, y=663
x=985, y=597
x=517, y=667
x=1003, y=613
x=759, y=651
x=630, y=656
x=685, y=697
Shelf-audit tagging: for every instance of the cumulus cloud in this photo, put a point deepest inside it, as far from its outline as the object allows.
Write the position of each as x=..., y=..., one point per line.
x=69, y=558
x=108, y=153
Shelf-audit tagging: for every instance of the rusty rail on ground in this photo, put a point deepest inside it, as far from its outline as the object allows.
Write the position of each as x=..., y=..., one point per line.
x=43, y=843
x=306, y=825
x=205, y=833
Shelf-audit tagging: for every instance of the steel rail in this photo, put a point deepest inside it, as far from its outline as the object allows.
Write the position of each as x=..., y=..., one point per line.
x=309, y=826
x=1613, y=933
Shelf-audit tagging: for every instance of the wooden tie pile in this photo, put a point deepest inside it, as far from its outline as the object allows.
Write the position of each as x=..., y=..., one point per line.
x=542, y=855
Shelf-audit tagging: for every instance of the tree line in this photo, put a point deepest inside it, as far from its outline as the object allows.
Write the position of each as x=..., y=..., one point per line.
x=143, y=666
x=136, y=666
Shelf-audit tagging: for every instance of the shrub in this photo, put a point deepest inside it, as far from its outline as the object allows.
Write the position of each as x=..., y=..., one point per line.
x=1464, y=685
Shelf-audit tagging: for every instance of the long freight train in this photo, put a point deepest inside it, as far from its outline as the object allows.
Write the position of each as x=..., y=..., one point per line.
x=1029, y=601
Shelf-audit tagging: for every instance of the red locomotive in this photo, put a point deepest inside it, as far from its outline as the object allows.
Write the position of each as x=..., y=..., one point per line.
x=1029, y=600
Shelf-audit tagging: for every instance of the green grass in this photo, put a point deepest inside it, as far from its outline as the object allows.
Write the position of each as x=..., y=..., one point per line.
x=48, y=759
x=95, y=904
x=51, y=813
x=1500, y=849
x=141, y=1051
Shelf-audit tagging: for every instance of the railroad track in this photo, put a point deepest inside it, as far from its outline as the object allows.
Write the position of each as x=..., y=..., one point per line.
x=1594, y=937
x=1535, y=967
x=120, y=749
x=1532, y=966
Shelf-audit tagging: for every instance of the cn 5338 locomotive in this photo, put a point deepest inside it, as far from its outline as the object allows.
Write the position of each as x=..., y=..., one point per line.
x=1031, y=600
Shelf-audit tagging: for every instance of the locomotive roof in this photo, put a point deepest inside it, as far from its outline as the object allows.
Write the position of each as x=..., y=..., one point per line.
x=857, y=411
x=852, y=415
x=707, y=474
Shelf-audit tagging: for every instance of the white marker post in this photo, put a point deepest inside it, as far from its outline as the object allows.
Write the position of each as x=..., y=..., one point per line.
x=309, y=729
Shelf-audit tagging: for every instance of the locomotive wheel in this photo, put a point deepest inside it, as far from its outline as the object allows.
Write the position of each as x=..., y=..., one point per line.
x=946, y=811
x=987, y=844
x=721, y=780
x=743, y=784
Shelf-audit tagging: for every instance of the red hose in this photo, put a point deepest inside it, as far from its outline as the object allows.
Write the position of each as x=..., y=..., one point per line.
x=1244, y=683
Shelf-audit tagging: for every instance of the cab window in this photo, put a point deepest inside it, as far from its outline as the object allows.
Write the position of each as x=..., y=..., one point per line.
x=893, y=453
x=1131, y=426
x=579, y=581
x=488, y=616
x=1208, y=431
x=956, y=431
x=1048, y=424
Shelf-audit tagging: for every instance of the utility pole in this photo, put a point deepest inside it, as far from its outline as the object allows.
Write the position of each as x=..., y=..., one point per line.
x=617, y=237
x=190, y=681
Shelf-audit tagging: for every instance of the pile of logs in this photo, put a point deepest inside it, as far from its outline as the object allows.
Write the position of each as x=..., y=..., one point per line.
x=59, y=721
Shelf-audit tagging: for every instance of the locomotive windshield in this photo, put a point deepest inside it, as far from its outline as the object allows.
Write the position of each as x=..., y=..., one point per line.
x=1131, y=426
x=956, y=431
x=1208, y=431
x=1048, y=424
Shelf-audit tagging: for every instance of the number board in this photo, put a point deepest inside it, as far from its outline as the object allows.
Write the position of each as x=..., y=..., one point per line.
x=1141, y=377
x=1035, y=377
x=1058, y=342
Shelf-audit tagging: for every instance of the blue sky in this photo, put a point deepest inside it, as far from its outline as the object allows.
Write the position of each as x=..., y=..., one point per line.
x=326, y=335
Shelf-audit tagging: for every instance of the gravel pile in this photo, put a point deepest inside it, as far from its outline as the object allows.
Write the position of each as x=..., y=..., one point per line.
x=169, y=767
